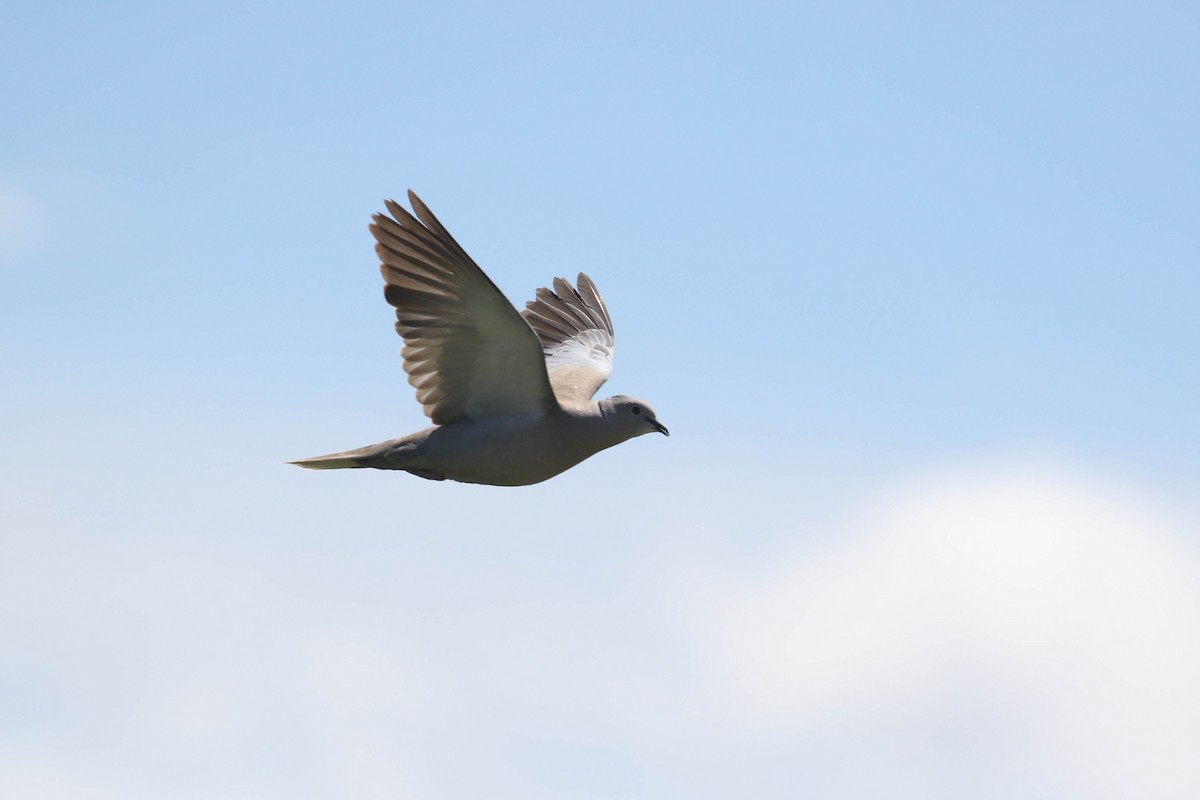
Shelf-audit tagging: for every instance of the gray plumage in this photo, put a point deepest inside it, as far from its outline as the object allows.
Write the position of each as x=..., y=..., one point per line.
x=509, y=393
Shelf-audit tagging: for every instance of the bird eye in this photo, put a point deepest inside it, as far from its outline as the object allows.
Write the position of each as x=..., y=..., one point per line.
x=636, y=409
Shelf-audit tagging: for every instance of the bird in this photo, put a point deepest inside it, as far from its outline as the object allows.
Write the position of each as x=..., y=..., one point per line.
x=509, y=393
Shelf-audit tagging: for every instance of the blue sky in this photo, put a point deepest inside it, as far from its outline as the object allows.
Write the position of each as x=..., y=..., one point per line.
x=901, y=279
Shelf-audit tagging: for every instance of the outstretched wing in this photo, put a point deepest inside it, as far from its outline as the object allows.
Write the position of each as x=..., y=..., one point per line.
x=467, y=351
x=577, y=337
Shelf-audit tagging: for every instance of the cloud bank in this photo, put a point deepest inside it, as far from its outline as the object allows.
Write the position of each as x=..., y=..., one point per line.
x=1019, y=629
x=1069, y=611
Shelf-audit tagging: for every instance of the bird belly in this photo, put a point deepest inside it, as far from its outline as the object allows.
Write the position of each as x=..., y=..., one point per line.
x=514, y=450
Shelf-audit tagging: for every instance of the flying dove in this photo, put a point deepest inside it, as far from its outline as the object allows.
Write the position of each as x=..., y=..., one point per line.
x=509, y=393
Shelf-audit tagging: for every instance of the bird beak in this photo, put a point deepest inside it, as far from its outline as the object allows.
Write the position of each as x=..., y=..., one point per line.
x=658, y=426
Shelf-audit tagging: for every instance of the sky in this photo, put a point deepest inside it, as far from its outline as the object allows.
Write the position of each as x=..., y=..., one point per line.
x=913, y=285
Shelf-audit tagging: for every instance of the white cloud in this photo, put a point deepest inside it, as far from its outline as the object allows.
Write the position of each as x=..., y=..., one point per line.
x=1011, y=631
x=1074, y=606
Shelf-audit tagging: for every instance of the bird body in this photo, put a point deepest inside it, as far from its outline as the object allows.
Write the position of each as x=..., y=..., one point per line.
x=503, y=450
x=510, y=391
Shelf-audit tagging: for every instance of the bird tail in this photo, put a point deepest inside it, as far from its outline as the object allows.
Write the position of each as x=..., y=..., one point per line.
x=350, y=459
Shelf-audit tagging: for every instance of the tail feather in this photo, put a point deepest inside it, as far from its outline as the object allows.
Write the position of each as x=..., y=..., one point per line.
x=350, y=459
x=391, y=454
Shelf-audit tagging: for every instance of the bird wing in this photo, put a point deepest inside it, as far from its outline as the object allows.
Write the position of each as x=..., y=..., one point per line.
x=577, y=337
x=467, y=351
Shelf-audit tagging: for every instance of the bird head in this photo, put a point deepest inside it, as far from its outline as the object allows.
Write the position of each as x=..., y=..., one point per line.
x=631, y=415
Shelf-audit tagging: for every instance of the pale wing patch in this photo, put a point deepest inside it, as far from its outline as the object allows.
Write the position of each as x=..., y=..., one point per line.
x=576, y=335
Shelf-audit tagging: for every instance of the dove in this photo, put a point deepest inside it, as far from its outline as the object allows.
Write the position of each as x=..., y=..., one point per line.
x=510, y=393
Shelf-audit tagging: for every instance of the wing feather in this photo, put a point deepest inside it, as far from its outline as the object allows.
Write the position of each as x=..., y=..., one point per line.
x=468, y=352
x=577, y=337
